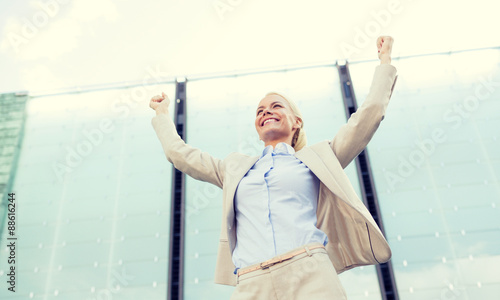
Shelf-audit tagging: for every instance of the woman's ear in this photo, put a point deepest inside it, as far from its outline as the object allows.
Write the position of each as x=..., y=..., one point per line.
x=298, y=123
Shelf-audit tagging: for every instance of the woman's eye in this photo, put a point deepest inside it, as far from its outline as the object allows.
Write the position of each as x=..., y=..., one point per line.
x=277, y=105
x=259, y=112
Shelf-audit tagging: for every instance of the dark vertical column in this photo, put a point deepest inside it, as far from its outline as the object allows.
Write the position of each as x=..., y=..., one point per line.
x=176, y=263
x=384, y=271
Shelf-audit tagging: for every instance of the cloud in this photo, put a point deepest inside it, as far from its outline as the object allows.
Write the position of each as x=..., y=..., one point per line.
x=90, y=10
x=39, y=77
x=52, y=28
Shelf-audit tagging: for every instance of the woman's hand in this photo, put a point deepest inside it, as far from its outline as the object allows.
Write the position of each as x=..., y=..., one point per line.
x=384, y=46
x=160, y=103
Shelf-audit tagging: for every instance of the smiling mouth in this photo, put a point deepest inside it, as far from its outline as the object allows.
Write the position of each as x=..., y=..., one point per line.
x=271, y=120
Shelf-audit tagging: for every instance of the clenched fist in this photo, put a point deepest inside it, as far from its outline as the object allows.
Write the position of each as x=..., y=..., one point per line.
x=384, y=46
x=160, y=103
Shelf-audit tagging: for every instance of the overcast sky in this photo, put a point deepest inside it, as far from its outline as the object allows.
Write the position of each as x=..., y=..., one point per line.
x=50, y=44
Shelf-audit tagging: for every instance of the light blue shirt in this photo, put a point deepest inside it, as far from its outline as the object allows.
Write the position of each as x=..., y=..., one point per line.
x=275, y=207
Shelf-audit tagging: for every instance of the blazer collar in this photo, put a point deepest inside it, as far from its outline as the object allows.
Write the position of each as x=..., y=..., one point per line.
x=318, y=165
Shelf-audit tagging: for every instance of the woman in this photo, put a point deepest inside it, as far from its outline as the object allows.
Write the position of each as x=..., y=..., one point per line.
x=291, y=219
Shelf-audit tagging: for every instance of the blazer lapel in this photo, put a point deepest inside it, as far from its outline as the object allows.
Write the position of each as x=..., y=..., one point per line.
x=317, y=165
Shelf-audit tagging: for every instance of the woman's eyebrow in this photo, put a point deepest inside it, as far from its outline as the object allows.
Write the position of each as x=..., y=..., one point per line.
x=262, y=106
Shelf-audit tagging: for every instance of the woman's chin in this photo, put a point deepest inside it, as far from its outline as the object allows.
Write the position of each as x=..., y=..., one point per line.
x=273, y=135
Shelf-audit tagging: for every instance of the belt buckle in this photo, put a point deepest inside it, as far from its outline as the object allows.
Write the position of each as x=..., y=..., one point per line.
x=265, y=265
x=269, y=263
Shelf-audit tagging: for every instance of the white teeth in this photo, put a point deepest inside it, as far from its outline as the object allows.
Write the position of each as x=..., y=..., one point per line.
x=269, y=120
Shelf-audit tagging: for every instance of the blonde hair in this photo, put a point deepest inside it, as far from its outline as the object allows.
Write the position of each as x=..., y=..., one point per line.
x=299, y=139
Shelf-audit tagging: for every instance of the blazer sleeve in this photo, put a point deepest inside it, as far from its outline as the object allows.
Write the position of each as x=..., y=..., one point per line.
x=185, y=158
x=353, y=136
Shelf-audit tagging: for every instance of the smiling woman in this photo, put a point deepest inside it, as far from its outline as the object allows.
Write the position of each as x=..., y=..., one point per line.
x=279, y=120
x=291, y=219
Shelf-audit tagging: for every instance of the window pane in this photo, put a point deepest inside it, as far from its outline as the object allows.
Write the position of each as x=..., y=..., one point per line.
x=93, y=189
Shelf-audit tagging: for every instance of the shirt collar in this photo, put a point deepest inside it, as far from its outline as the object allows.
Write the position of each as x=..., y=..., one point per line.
x=282, y=147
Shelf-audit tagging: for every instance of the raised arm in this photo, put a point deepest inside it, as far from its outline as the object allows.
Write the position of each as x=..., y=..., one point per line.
x=192, y=161
x=353, y=136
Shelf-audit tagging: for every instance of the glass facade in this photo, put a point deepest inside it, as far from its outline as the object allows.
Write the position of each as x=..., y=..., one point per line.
x=93, y=200
x=93, y=185
x=436, y=165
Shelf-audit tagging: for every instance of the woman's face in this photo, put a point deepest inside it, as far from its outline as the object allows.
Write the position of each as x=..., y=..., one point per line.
x=275, y=120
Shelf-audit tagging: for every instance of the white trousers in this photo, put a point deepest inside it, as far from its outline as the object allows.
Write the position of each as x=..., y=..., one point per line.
x=308, y=276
